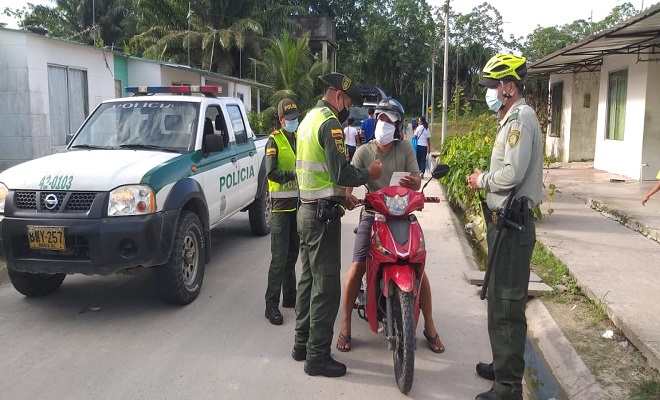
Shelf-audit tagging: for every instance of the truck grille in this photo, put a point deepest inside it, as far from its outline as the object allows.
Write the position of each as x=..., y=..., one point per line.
x=66, y=201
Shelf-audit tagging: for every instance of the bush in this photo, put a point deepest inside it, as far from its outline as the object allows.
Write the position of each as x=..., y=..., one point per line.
x=261, y=124
x=464, y=153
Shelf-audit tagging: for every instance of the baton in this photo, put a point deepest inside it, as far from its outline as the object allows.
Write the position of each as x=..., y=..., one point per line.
x=502, y=219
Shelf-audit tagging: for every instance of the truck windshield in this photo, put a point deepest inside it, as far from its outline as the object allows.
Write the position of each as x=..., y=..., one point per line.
x=142, y=123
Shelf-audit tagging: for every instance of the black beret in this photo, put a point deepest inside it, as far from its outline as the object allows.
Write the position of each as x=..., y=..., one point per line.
x=345, y=84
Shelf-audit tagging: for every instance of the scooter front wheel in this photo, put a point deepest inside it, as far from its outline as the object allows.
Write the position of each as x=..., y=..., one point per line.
x=404, y=339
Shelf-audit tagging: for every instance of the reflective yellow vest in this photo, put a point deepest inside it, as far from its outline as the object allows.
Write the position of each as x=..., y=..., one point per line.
x=311, y=164
x=286, y=161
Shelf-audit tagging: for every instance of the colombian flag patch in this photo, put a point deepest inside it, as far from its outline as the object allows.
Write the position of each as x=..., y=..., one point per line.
x=271, y=151
x=337, y=133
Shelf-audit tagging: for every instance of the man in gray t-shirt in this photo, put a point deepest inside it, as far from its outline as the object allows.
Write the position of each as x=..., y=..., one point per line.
x=395, y=156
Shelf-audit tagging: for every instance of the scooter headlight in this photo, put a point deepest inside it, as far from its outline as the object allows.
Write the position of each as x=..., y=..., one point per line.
x=397, y=205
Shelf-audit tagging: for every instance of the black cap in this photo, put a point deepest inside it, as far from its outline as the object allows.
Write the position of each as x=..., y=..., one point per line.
x=288, y=109
x=345, y=84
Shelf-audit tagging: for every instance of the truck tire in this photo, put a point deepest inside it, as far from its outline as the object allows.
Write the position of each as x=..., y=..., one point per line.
x=180, y=278
x=260, y=215
x=35, y=285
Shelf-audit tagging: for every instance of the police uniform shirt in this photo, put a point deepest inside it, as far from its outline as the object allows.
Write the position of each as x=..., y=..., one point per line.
x=517, y=158
x=331, y=138
x=279, y=176
x=400, y=158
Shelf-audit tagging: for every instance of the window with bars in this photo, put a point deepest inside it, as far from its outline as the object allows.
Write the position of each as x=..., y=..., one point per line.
x=616, y=104
x=68, y=101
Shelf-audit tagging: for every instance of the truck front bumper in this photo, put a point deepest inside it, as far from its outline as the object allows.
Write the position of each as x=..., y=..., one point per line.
x=93, y=246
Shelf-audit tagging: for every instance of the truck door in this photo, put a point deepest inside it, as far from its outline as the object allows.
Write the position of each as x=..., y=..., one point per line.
x=246, y=153
x=219, y=171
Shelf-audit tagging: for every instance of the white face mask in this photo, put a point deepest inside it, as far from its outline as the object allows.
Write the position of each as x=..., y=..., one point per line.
x=494, y=103
x=384, y=132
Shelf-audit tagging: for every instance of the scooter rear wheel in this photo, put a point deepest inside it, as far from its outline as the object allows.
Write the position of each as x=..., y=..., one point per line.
x=404, y=336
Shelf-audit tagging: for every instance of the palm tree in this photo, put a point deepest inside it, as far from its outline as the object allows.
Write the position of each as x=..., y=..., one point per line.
x=289, y=68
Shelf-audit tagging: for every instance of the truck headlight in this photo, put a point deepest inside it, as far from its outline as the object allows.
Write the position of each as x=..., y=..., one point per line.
x=3, y=196
x=131, y=200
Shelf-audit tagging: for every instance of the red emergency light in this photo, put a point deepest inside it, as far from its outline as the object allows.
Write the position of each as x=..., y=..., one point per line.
x=141, y=90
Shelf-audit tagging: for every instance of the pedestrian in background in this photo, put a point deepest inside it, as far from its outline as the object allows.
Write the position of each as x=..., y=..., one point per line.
x=351, y=138
x=516, y=162
x=652, y=191
x=368, y=126
x=404, y=131
x=283, y=188
x=323, y=174
x=423, y=144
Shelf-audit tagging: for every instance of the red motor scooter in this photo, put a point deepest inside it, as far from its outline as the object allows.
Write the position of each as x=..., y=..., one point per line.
x=395, y=265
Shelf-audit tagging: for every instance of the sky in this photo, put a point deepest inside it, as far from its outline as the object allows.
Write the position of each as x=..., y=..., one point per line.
x=520, y=17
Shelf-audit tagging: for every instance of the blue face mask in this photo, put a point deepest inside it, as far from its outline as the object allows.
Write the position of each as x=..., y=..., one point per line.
x=492, y=100
x=291, y=125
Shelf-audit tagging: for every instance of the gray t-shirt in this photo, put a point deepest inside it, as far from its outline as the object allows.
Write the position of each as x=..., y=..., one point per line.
x=400, y=158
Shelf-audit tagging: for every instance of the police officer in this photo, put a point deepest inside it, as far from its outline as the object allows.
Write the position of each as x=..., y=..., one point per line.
x=323, y=174
x=516, y=162
x=283, y=188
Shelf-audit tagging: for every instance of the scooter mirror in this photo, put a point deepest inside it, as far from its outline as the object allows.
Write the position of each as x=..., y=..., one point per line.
x=439, y=171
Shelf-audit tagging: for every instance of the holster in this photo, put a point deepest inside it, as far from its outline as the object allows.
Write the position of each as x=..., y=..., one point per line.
x=520, y=211
x=328, y=211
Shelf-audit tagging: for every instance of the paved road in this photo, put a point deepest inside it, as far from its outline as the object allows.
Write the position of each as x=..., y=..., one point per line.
x=221, y=346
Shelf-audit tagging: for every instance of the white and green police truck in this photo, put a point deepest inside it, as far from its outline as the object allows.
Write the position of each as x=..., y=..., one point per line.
x=141, y=184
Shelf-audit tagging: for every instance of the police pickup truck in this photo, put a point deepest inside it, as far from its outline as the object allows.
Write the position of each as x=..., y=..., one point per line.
x=141, y=184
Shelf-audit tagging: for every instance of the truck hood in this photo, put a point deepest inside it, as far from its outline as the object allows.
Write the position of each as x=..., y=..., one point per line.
x=89, y=170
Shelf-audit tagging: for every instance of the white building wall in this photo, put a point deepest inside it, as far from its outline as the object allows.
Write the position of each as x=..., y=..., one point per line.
x=558, y=146
x=623, y=157
x=171, y=75
x=651, y=143
x=143, y=73
x=24, y=104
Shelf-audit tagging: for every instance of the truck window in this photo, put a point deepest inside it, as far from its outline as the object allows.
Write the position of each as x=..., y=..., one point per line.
x=214, y=114
x=237, y=123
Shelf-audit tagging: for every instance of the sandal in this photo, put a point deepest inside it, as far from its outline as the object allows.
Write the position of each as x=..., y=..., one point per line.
x=433, y=341
x=347, y=343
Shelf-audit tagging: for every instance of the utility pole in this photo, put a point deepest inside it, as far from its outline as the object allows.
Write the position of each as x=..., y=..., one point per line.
x=188, y=35
x=432, y=85
x=445, y=83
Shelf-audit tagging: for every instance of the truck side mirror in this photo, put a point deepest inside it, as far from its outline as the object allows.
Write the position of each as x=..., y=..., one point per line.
x=213, y=143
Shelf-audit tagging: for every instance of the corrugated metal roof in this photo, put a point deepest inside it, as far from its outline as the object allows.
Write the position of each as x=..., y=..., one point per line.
x=639, y=35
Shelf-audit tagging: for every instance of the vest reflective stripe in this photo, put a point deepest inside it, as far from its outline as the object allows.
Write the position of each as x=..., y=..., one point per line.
x=312, y=169
x=312, y=166
x=286, y=161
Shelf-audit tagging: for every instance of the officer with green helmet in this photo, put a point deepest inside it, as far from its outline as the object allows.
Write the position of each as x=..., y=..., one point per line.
x=283, y=190
x=516, y=162
x=323, y=174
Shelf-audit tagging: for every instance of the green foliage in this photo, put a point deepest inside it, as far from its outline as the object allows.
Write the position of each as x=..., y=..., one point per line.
x=261, y=124
x=551, y=270
x=646, y=390
x=464, y=153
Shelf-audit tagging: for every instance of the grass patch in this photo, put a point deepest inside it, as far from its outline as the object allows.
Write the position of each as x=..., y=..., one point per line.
x=552, y=270
x=646, y=390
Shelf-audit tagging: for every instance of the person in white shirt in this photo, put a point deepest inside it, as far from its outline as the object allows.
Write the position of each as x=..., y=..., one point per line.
x=423, y=144
x=350, y=135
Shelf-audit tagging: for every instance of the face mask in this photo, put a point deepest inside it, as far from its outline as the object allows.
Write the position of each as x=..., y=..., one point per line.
x=344, y=113
x=384, y=132
x=291, y=126
x=493, y=102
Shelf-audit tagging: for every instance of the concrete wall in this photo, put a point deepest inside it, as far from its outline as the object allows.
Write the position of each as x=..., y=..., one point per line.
x=558, y=146
x=24, y=104
x=141, y=73
x=651, y=141
x=623, y=157
x=584, y=114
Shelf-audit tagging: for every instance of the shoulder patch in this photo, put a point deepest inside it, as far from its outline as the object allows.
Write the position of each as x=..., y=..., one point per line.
x=337, y=133
x=275, y=132
x=513, y=138
x=339, y=144
x=271, y=151
x=326, y=112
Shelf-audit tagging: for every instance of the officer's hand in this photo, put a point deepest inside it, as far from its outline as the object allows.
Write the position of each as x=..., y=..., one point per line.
x=351, y=201
x=412, y=182
x=473, y=179
x=375, y=170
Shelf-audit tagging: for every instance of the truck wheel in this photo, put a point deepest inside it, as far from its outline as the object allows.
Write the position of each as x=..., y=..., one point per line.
x=180, y=279
x=260, y=215
x=35, y=285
